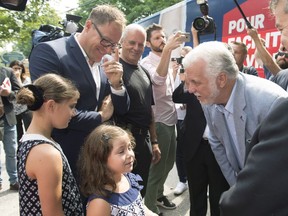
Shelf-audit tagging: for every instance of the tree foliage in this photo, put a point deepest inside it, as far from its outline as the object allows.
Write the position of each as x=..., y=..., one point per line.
x=133, y=9
x=16, y=27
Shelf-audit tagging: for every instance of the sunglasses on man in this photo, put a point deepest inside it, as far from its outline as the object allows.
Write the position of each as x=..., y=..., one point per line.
x=281, y=54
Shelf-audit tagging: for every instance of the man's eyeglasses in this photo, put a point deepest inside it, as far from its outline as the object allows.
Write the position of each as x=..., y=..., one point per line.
x=104, y=42
x=281, y=54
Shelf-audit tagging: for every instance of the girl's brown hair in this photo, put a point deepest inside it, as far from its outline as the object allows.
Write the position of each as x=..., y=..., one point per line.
x=94, y=174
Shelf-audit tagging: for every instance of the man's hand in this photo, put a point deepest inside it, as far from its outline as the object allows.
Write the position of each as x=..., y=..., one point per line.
x=194, y=35
x=193, y=30
x=5, y=88
x=107, y=109
x=175, y=67
x=253, y=33
x=174, y=41
x=114, y=71
x=156, y=154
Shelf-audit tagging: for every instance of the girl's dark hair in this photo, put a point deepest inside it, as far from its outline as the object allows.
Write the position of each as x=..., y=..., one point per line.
x=20, y=64
x=92, y=165
x=46, y=87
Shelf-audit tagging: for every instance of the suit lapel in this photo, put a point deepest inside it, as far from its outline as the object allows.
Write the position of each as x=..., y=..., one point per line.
x=240, y=118
x=226, y=139
x=78, y=55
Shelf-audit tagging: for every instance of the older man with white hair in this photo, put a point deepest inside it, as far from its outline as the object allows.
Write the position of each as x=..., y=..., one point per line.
x=234, y=103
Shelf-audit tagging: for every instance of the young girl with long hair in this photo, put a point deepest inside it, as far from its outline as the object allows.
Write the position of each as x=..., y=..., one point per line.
x=105, y=165
x=47, y=186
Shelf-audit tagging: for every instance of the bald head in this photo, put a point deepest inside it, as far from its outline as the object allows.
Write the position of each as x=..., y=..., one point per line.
x=133, y=43
x=130, y=29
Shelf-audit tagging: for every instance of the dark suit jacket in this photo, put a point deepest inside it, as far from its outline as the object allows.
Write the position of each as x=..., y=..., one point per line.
x=261, y=186
x=7, y=101
x=64, y=57
x=194, y=121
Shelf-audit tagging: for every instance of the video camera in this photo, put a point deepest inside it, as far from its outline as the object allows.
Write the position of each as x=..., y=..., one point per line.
x=17, y=5
x=204, y=24
x=179, y=61
x=49, y=32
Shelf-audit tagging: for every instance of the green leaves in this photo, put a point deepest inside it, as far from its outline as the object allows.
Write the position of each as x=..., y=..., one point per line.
x=16, y=27
x=134, y=9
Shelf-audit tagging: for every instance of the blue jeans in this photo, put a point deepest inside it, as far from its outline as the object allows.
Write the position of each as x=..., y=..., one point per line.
x=10, y=148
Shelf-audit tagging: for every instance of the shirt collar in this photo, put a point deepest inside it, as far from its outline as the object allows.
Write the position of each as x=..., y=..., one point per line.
x=229, y=106
x=82, y=50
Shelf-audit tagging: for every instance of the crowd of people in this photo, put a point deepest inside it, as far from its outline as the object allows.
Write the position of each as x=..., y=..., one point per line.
x=93, y=134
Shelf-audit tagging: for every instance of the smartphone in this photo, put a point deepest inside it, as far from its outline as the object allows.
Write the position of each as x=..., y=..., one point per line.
x=187, y=37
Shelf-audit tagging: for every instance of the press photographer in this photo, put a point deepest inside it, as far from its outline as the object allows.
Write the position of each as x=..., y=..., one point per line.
x=204, y=24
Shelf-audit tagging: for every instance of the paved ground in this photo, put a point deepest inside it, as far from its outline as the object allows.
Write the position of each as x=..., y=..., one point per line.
x=9, y=205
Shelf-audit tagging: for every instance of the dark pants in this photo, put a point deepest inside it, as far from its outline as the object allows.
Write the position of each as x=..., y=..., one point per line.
x=180, y=162
x=26, y=117
x=143, y=157
x=203, y=172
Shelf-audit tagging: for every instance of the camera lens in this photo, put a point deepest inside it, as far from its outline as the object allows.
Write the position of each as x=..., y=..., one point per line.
x=204, y=25
x=200, y=23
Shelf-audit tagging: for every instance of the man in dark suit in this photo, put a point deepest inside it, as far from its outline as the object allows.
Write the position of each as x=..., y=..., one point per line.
x=8, y=86
x=201, y=165
x=77, y=58
x=261, y=186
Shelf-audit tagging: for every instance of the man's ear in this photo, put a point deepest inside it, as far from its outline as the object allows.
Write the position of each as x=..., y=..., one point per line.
x=88, y=25
x=222, y=79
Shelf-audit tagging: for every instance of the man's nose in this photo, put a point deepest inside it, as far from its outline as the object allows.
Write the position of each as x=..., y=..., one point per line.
x=191, y=88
